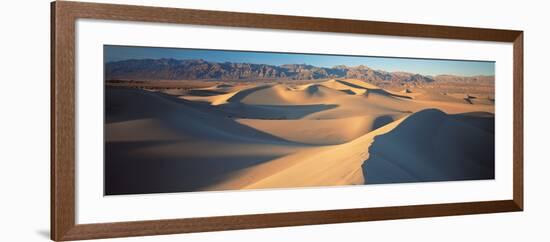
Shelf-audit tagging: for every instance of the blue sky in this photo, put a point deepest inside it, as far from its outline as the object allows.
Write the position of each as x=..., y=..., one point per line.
x=420, y=66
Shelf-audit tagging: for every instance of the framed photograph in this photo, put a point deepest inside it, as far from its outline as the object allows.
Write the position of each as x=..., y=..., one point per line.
x=172, y=120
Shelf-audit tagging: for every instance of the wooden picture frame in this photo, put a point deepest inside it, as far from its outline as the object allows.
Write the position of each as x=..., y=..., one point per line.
x=63, y=17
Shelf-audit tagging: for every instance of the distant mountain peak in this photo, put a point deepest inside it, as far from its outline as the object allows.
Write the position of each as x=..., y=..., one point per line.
x=194, y=69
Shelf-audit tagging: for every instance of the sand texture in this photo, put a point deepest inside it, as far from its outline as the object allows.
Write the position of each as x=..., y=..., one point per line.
x=226, y=136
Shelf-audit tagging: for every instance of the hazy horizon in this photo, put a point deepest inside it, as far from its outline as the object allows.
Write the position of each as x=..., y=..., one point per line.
x=428, y=67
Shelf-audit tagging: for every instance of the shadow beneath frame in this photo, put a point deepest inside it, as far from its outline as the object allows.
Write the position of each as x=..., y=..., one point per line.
x=44, y=233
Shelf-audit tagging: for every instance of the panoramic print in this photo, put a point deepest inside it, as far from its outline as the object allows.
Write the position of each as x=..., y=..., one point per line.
x=187, y=120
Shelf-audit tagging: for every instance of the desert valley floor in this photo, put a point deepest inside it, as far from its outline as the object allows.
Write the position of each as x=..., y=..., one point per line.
x=250, y=135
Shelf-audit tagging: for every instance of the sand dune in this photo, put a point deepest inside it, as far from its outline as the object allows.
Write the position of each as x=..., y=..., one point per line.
x=382, y=157
x=345, y=105
x=359, y=114
x=433, y=146
x=338, y=85
x=157, y=111
x=164, y=144
x=282, y=95
x=322, y=132
x=322, y=166
x=271, y=135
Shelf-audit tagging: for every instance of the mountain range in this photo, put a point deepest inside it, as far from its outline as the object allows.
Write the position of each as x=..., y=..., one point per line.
x=196, y=69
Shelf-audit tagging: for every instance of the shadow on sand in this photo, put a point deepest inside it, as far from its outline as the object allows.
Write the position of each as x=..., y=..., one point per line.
x=433, y=146
x=128, y=172
x=129, y=169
